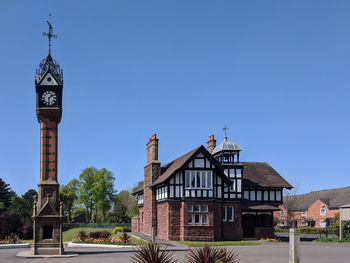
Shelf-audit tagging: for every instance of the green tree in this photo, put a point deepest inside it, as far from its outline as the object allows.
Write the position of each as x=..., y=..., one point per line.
x=78, y=210
x=120, y=209
x=69, y=195
x=334, y=226
x=86, y=194
x=103, y=191
x=5, y=195
x=125, y=207
x=96, y=191
x=23, y=206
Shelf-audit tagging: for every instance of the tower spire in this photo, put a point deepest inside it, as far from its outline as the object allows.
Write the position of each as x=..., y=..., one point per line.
x=50, y=33
x=225, y=129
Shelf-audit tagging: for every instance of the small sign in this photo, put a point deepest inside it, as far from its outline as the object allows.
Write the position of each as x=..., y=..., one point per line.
x=345, y=213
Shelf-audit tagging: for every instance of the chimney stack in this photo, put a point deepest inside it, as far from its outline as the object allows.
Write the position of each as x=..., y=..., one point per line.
x=211, y=143
x=152, y=149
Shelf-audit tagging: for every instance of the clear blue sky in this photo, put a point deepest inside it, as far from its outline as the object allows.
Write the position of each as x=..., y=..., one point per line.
x=275, y=72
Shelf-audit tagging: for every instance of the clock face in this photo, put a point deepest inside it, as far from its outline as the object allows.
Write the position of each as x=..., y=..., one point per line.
x=49, y=98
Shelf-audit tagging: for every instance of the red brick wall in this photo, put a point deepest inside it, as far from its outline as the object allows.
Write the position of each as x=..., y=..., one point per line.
x=174, y=220
x=149, y=218
x=197, y=232
x=277, y=216
x=163, y=220
x=135, y=224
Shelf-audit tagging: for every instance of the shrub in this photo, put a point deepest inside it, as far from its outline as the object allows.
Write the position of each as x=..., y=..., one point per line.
x=96, y=234
x=117, y=229
x=208, y=254
x=82, y=235
x=151, y=254
x=105, y=234
x=126, y=229
x=10, y=223
x=125, y=238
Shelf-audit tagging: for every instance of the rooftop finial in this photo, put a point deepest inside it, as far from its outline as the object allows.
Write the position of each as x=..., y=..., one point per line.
x=225, y=129
x=50, y=33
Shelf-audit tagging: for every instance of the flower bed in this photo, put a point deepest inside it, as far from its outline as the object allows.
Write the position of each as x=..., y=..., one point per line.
x=105, y=241
x=106, y=238
x=12, y=239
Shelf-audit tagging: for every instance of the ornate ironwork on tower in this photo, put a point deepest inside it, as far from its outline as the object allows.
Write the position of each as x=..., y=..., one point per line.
x=47, y=213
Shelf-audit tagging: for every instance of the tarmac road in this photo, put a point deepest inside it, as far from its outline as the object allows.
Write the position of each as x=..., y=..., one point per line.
x=311, y=252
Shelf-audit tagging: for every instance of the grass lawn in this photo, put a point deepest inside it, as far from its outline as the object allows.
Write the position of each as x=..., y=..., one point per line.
x=332, y=240
x=70, y=234
x=219, y=243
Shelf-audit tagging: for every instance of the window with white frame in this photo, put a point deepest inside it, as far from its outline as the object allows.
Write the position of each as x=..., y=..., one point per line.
x=198, y=179
x=198, y=214
x=233, y=185
x=162, y=193
x=282, y=223
x=239, y=173
x=252, y=195
x=239, y=185
x=228, y=214
x=278, y=196
x=282, y=213
x=140, y=199
x=246, y=195
x=303, y=223
x=323, y=211
x=259, y=195
x=303, y=213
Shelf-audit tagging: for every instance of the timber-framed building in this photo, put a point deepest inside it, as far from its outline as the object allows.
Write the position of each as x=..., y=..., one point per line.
x=207, y=194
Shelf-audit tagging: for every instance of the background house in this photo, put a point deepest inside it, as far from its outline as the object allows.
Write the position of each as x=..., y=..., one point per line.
x=314, y=209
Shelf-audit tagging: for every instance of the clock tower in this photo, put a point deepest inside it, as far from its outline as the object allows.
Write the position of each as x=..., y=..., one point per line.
x=47, y=209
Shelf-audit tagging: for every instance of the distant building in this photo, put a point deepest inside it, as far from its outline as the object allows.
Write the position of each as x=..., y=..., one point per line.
x=207, y=194
x=314, y=209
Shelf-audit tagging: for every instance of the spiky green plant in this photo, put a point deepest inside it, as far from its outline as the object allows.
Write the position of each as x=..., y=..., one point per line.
x=208, y=254
x=228, y=256
x=125, y=238
x=151, y=254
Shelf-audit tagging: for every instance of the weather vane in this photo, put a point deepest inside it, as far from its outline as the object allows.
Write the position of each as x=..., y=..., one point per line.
x=225, y=129
x=50, y=34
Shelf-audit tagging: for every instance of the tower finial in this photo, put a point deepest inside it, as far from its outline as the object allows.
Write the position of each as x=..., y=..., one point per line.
x=50, y=33
x=225, y=129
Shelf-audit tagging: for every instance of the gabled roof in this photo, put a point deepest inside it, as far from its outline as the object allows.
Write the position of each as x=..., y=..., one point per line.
x=333, y=198
x=48, y=209
x=261, y=174
x=171, y=168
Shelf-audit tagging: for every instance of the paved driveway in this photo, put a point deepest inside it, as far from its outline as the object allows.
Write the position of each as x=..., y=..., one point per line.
x=311, y=252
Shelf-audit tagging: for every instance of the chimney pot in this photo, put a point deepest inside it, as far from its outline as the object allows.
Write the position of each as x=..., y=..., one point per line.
x=211, y=143
x=152, y=149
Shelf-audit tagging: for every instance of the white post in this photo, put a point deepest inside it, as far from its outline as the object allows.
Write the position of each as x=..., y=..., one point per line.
x=294, y=245
x=340, y=230
x=153, y=234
